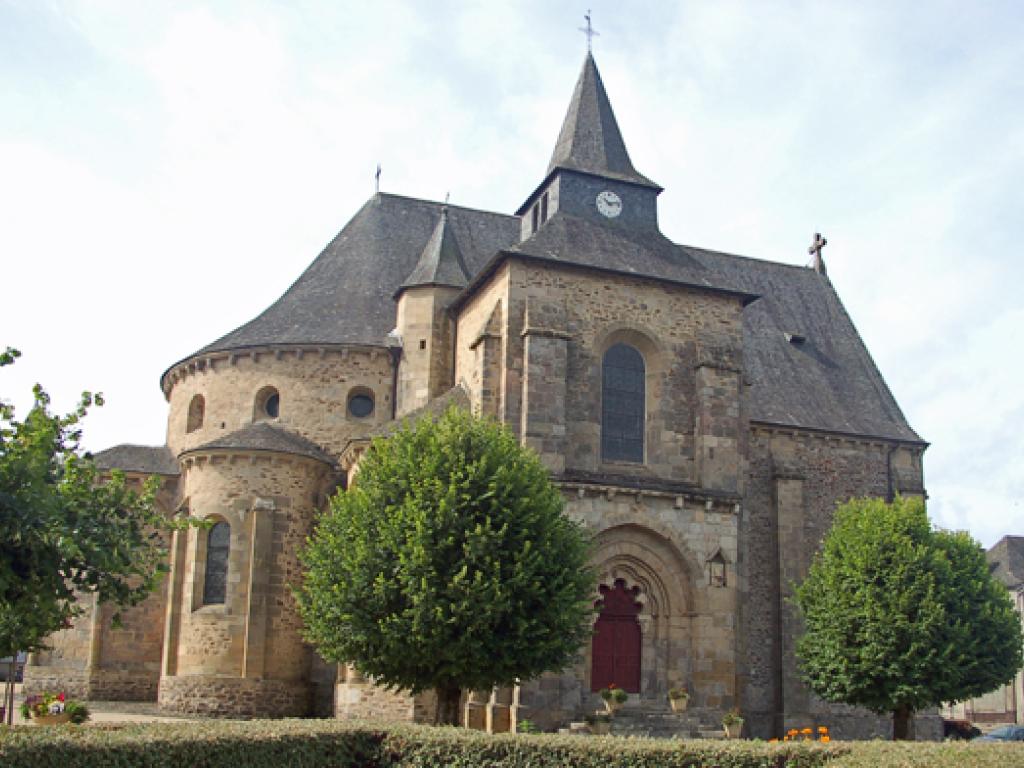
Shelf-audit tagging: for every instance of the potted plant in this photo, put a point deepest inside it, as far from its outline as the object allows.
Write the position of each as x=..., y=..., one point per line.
x=733, y=724
x=53, y=709
x=614, y=697
x=600, y=723
x=678, y=698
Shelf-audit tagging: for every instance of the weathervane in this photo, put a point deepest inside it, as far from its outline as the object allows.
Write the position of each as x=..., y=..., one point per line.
x=589, y=31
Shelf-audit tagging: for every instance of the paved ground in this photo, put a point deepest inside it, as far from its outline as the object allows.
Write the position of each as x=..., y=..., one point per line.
x=112, y=711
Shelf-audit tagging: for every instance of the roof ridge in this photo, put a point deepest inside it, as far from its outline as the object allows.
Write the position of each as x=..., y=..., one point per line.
x=441, y=203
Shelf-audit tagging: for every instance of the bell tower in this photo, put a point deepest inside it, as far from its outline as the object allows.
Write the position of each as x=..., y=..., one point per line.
x=590, y=174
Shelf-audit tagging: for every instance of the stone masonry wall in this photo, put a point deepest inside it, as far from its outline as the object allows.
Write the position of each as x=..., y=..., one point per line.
x=92, y=659
x=269, y=502
x=425, y=371
x=314, y=386
x=483, y=313
x=673, y=328
x=796, y=480
x=659, y=543
x=234, y=697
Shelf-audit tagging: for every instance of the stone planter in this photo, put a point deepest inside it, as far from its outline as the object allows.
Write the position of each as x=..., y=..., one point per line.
x=600, y=728
x=733, y=730
x=679, y=705
x=60, y=719
x=613, y=706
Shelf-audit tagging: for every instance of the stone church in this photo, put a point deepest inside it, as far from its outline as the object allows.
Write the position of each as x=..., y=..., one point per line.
x=702, y=413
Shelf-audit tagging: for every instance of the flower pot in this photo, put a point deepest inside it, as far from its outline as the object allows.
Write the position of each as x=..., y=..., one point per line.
x=733, y=730
x=679, y=705
x=601, y=728
x=613, y=706
x=60, y=719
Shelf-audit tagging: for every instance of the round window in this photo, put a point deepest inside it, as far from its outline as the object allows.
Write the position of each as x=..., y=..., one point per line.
x=273, y=405
x=360, y=406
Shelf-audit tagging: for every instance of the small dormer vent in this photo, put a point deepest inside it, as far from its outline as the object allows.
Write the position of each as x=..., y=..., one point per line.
x=796, y=338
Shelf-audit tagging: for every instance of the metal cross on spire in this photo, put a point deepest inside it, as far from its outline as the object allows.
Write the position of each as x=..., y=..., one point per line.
x=816, y=247
x=589, y=31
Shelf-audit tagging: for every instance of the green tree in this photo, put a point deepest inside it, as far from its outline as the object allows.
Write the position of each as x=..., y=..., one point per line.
x=62, y=532
x=900, y=617
x=449, y=565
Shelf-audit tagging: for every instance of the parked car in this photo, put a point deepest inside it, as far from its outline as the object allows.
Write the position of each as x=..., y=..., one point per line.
x=962, y=730
x=19, y=667
x=1004, y=733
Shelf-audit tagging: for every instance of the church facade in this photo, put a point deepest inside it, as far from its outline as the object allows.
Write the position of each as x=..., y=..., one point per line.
x=702, y=413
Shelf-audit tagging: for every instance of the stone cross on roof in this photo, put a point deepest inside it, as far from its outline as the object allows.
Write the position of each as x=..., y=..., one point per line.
x=816, y=247
x=589, y=31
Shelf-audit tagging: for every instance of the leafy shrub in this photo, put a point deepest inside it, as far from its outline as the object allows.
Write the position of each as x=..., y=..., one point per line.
x=333, y=744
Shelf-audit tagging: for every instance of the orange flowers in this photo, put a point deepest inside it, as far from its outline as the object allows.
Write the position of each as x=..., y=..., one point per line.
x=807, y=734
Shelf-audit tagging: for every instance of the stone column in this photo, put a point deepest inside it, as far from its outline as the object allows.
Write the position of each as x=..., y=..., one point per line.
x=545, y=368
x=717, y=428
x=792, y=696
x=498, y=711
x=172, y=623
x=261, y=533
x=475, y=715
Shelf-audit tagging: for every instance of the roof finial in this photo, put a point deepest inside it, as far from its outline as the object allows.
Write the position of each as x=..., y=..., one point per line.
x=819, y=243
x=444, y=208
x=376, y=181
x=589, y=31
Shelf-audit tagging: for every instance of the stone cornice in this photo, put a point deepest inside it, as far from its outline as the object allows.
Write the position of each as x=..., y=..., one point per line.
x=770, y=428
x=211, y=360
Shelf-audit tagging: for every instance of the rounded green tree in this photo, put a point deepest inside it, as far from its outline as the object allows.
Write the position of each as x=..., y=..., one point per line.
x=900, y=617
x=63, y=533
x=448, y=565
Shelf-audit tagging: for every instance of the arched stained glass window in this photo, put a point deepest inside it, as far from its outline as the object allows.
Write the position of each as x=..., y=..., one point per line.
x=218, y=545
x=622, y=404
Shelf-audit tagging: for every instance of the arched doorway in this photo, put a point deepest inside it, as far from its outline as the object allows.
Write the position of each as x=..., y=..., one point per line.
x=615, y=653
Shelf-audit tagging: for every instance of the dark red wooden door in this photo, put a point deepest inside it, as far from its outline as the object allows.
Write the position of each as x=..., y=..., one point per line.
x=615, y=652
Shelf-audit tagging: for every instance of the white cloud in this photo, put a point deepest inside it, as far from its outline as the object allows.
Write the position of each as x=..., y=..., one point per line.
x=169, y=168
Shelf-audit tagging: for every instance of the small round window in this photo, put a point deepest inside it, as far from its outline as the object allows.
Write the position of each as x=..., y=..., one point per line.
x=360, y=405
x=273, y=405
x=268, y=404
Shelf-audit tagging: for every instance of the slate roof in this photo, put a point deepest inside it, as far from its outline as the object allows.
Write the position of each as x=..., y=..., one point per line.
x=1006, y=561
x=145, y=459
x=569, y=239
x=264, y=437
x=825, y=381
x=590, y=140
x=344, y=296
x=441, y=262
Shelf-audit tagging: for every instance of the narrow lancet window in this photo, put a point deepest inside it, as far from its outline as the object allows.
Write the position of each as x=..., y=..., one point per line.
x=218, y=545
x=196, y=412
x=622, y=405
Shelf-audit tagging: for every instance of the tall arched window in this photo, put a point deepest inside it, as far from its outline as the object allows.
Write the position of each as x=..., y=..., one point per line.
x=622, y=404
x=196, y=412
x=215, y=582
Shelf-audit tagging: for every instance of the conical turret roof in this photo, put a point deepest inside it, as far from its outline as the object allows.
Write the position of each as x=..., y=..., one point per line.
x=441, y=262
x=590, y=140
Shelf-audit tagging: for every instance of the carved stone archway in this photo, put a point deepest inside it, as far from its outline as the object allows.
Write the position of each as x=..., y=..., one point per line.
x=656, y=576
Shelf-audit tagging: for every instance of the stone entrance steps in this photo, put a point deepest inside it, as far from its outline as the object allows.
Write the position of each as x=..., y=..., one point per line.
x=660, y=722
x=657, y=721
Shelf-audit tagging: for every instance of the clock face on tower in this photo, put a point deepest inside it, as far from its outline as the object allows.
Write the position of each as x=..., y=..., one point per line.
x=609, y=204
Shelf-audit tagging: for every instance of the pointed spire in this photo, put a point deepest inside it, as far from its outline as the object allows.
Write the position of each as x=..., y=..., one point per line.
x=441, y=262
x=590, y=140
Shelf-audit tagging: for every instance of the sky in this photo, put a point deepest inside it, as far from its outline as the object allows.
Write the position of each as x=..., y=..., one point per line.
x=167, y=169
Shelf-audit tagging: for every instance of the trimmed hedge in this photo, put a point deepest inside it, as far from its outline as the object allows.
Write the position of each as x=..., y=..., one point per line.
x=327, y=743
